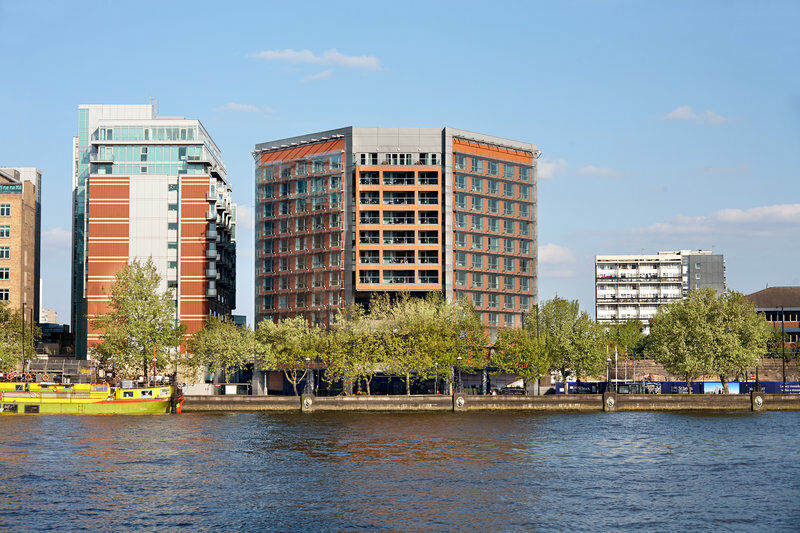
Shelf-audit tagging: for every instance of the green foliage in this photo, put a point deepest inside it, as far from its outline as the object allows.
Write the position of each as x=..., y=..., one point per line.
x=286, y=345
x=574, y=344
x=521, y=352
x=628, y=336
x=708, y=333
x=140, y=323
x=11, y=338
x=221, y=345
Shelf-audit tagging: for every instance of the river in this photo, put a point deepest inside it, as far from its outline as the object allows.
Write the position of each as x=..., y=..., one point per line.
x=402, y=472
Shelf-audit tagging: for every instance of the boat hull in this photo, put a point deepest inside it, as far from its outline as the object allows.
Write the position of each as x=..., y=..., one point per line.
x=83, y=399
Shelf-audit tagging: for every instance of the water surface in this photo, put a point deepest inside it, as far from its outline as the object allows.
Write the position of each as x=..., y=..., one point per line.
x=411, y=472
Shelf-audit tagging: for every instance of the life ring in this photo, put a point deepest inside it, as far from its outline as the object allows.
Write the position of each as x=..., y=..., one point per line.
x=28, y=377
x=45, y=377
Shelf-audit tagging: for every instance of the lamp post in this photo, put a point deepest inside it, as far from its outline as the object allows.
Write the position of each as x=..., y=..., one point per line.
x=308, y=389
x=436, y=378
x=460, y=383
x=616, y=369
x=608, y=374
x=23, y=337
x=783, y=353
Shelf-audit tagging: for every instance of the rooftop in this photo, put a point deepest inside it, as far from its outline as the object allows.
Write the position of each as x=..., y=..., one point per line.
x=775, y=297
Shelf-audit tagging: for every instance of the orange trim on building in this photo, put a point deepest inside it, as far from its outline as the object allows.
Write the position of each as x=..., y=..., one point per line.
x=299, y=152
x=492, y=152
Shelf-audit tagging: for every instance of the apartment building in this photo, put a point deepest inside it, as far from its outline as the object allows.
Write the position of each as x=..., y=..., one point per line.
x=20, y=239
x=144, y=187
x=347, y=213
x=635, y=286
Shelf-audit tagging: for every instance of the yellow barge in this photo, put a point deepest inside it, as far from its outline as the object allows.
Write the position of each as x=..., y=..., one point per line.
x=85, y=398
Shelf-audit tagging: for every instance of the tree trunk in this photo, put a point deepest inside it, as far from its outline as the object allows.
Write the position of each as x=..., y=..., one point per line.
x=408, y=384
x=688, y=386
x=293, y=382
x=564, y=375
x=724, y=384
x=368, y=380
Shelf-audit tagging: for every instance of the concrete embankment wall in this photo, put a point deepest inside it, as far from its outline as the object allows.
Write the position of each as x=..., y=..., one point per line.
x=464, y=402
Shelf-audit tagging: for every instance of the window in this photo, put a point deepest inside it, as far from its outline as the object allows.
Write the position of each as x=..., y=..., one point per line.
x=524, y=266
x=5, y=252
x=477, y=184
x=493, y=244
x=335, y=220
x=524, y=228
x=508, y=246
x=524, y=211
x=300, y=281
x=508, y=227
x=524, y=192
x=696, y=265
x=508, y=208
x=299, y=300
x=4, y=295
x=525, y=247
x=299, y=225
x=283, y=301
x=4, y=273
x=477, y=261
x=398, y=276
x=508, y=171
x=493, y=318
x=524, y=173
x=369, y=217
x=283, y=207
x=429, y=237
x=697, y=276
x=477, y=280
x=299, y=263
x=477, y=165
x=428, y=197
x=494, y=300
x=429, y=178
x=508, y=283
x=461, y=201
x=493, y=205
x=508, y=263
x=492, y=168
x=5, y=231
x=492, y=187
x=477, y=242
x=461, y=162
x=461, y=279
x=369, y=237
x=461, y=259
x=477, y=203
x=428, y=217
x=318, y=166
x=335, y=162
x=510, y=320
x=429, y=257
x=300, y=243
x=429, y=276
x=369, y=178
x=460, y=220
x=493, y=281
x=493, y=262
x=493, y=225
x=398, y=197
x=477, y=299
x=524, y=284
x=300, y=168
x=508, y=301
x=460, y=181
x=508, y=190
x=477, y=222
x=5, y=210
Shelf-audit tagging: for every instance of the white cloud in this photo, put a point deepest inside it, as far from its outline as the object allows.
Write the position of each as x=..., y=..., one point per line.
x=330, y=57
x=762, y=220
x=552, y=253
x=243, y=108
x=319, y=75
x=245, y=217
x=548, y=169
x=685, y=112
x=603, y=172
x=57, y=239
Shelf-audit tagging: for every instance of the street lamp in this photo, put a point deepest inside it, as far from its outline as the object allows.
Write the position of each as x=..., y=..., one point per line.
x=608, y=374
x=23, y=337
x=308, y=389
x=436, y=379
x=460, y=383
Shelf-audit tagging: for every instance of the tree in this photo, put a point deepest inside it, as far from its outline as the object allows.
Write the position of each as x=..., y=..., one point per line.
x=285, y=345
x=628, y=336
x=11, y=325
x=222, y=345
x=141, y=321
x=519, y=352
x=574, y=343
x=356, y=347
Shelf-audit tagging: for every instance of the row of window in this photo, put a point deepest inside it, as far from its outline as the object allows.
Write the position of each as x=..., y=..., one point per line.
x=301, y=224
x=492, y=205
x=172, y=169
x=405, y=277
x=331, y=240
x=302, y=300
x=398, y=237
x=301, y=281
x=492, y=262
x=139, y=133
x=302, y=186
x=422, y=158
x=158, y=153
x=492, y=281
x=493, y=186
x=394, y=257
x=399, y=217
x=510, y=246
x=492, y=168
x=486, y=299
x=398, y=178
x=301, y=262
x=399, y=198
x=301, y=205
x=318, y=165
x=492, y=224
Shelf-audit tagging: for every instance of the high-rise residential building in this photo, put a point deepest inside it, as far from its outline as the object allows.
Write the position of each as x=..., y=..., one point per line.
x=48, y=316
x=347, y=213
x=20, y=239
x=149, y=187
x=635, y=286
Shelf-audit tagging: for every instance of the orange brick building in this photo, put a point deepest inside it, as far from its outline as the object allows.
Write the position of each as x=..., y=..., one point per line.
x=150, y=187
x=346, y=213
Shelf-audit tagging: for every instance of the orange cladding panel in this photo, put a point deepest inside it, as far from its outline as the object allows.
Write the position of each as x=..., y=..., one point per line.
x=300, y=152
x=492, y=152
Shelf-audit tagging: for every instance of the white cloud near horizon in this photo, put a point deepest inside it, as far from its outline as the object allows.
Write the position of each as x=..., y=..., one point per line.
x=603, y=172
x=547, y=169
x=685, y=112
x=245, y=217
x=325, y=74
x=57, y=239
x=552, y=253
x=243, y=108
x=757, y=220
x=330, y=57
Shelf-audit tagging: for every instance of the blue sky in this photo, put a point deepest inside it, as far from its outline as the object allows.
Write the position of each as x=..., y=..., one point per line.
x=664, y=125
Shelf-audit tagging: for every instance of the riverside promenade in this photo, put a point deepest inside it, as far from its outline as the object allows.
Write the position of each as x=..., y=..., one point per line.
x=462, y=403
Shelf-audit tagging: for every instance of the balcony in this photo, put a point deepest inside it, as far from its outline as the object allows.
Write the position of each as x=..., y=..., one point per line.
x=211, y=215
x=211, y=293
x=212, y=235
x=96, y=158
x=211, y=197
x=212, y=273
x=211, y=253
